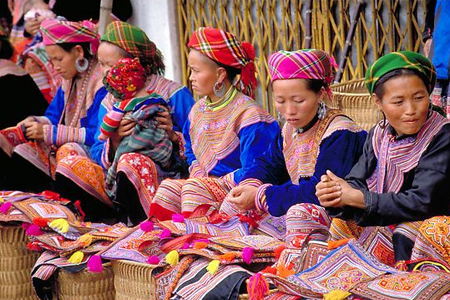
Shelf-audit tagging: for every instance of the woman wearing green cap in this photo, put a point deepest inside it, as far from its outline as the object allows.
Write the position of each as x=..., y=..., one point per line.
x=403, y=175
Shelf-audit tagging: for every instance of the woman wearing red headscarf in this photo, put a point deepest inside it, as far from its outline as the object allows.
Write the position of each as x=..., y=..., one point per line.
x=225, y=130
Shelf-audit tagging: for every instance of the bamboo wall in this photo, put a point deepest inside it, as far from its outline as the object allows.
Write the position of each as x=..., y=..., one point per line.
x=382, y=26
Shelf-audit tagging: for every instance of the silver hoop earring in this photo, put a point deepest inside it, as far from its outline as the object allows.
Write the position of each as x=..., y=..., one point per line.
x=81, y=64
x=280, y=116
x=219, y=89
x=321, y=111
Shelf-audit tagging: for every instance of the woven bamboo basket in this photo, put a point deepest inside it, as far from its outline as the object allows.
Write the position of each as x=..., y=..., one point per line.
x=133, y=281
x=354, y=100
x=85, y=285
x=16, y=262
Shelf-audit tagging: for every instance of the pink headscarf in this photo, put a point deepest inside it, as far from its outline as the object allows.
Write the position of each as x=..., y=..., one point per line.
x=56, y=32
x=302, y=64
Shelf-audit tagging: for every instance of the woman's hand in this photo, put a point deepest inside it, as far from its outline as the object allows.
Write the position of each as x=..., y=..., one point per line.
x=125, y=128
x=165, y=122
x=32, y=26
x=243, y=197
x=26, y=121
x=34, y=130
x=333, y=191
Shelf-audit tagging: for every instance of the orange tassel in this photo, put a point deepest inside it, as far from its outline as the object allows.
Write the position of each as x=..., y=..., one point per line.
x=277, y=251
x=41, y=222
x=270, y=270
x=227, y=257
x=200, y=245
x=284, y=271
x=336, y=244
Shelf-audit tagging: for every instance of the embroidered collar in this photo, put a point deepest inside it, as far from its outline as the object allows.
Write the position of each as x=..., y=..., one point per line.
x=213, y=106
x=307, y=127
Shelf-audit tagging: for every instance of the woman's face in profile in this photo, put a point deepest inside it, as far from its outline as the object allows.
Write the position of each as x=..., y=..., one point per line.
x=295, y=102
x=405, y=103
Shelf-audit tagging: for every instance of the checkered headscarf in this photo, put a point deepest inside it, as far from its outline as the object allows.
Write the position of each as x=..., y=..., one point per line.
x=134, y=40
x=223, y=47
x=303, y=64
x=401, y=60
x=55, y=31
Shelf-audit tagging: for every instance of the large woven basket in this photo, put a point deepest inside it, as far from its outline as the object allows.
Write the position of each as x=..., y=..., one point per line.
x=16, y=262
x=354, y=100
x=133, y=281
x=85, y=285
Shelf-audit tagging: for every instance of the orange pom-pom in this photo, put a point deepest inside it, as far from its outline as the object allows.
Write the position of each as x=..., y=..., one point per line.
x=277, y=251
x=270, y=270
x=336, y=244
x=257, y=287
x=200, y=245
x=41, y=222
x=285, y=271
x=227, y=257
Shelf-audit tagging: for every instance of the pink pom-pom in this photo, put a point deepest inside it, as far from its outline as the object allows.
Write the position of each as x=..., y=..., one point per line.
x=34, y=230
x=165, y=233
x=94, y=264
x=247, y=254
x=257, y=287
x=147, y=226
x=153, y=260
x=186, y=246
x=178, y=218
x=4, y=208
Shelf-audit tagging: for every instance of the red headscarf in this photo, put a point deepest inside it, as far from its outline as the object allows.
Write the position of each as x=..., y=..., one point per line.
x=125, y=78
x=223, y=47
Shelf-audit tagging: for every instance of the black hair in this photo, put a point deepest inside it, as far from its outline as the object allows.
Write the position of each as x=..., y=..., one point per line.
x=379, y=86
x=85, y=45
x=6, y=50
x=231, y=71
x=315, y=85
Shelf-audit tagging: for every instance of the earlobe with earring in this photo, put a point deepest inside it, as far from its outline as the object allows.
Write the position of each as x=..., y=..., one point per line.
x=219, y=89
x=322, y=110
x=81, y=64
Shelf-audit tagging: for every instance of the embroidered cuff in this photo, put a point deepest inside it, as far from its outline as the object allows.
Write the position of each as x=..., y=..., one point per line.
x=228, y=180
x=260, y=198
x=47, y=131
x=105, y=154
x=252, y=182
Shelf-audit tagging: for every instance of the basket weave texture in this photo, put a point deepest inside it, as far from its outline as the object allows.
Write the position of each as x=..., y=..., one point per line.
x=354, y=100
x=85, y=285
x=133, y=281
x=16, y=262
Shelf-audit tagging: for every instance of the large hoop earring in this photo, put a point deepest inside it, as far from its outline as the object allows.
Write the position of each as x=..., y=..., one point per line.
x=81, y=64
x=382, y=125
x=219, y=89
x=322, y=110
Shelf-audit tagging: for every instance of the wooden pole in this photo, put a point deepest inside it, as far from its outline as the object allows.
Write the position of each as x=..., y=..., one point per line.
x=308, y=21
x=348, y=42
x=105, y=15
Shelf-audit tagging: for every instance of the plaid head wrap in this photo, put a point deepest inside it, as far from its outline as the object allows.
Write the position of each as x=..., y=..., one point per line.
x=303, y=64
x=401, y=60
x=125, y=78
x=134, y=40
x=55, y=31
x=223, y=47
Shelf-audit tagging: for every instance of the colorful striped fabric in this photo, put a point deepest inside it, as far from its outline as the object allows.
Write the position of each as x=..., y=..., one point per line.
x=401, y=60
x=224, y=48
x=397, y=157
x=302, y=64
x=134, y=41
x=55, y=31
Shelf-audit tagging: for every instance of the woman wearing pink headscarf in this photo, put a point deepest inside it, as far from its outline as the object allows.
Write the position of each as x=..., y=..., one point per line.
x=314, y=139
x=70, y=122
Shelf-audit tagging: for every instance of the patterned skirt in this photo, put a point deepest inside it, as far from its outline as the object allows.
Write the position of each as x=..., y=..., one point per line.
x=191, y=197
x=440, y=96
x=140, y=170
